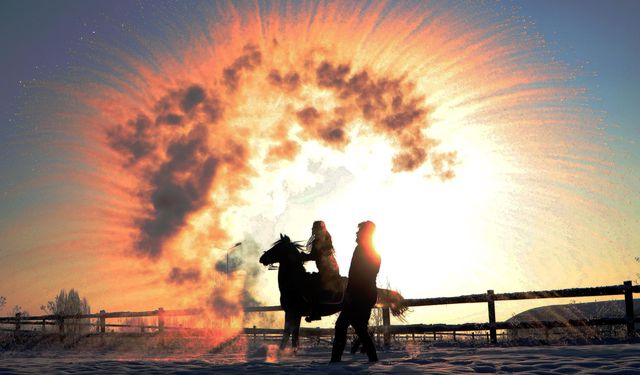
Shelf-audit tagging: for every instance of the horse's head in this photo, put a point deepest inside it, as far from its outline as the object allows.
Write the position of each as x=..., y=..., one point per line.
x=281, y=250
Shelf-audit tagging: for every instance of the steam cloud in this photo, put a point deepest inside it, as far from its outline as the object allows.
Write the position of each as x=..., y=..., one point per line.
x=241, y=258
x=175, y=144
x=178, y=184
x=180, y=276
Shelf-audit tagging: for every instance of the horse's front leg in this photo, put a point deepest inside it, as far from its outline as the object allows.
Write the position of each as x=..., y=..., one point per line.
x=288, y=328
x=296, y=333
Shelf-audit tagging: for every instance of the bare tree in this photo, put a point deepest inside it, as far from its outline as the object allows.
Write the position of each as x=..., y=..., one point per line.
x=3, y=301
x=19, y=310
x=69, y=304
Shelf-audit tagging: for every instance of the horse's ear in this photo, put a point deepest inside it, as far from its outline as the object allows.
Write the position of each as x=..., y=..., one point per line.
x=281, y=236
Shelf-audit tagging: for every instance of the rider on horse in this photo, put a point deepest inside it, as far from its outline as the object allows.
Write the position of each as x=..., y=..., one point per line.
x=322, y=251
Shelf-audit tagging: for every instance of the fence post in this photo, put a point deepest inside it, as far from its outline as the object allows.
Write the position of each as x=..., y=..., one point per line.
x=60, y=321
x=492, y=316
x=102, y=322
x=628, y=303
x=43, y=325
x=18, y=316
x=160, y=319
x=386, y=323
x=254, y=334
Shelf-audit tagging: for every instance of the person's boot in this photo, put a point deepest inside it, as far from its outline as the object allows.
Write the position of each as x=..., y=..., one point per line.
x=312, y=318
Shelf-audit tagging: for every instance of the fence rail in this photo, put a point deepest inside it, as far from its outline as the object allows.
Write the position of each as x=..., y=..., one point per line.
x=560, y=293
x=490, y=298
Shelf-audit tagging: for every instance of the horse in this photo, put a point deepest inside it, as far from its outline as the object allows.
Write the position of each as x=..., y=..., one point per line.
x=294, y=282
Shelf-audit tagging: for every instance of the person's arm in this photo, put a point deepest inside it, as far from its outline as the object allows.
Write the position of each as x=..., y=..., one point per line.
x=306, y=257
x=313, y=255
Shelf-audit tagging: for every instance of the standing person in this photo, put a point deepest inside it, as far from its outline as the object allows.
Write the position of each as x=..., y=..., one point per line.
x=328, y=271
x=360, y=295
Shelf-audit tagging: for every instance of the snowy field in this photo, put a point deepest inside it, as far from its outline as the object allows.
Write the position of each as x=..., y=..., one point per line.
x=406, y=359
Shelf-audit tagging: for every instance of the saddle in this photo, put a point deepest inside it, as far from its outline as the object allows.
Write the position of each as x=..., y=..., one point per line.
x=318, y=295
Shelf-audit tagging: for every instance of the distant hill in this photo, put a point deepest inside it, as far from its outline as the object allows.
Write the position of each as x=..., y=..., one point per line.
x=576, y=311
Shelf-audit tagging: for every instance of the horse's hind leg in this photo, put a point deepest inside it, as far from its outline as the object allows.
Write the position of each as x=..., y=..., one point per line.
x=288, y=329
x=356, y=345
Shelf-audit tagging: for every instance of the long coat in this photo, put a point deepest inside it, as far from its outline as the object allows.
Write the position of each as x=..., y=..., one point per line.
x=323, y=253
x=361, y=288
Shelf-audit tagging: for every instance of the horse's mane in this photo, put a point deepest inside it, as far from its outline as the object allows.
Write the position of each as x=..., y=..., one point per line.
x=286, y=241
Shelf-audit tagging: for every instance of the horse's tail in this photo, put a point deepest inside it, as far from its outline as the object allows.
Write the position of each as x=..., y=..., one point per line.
x=395, y=301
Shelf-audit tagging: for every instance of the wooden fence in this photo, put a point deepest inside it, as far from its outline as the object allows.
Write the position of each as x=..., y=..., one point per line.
x=492, y=326
x=490, y=298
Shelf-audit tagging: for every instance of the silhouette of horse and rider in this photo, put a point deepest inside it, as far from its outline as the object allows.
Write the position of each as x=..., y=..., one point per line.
x=324, y=293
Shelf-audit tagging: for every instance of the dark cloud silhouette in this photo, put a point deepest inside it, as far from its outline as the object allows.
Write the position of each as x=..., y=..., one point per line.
x=169, y=119
x=166, y=110
x=331, y=133
x=179, y=188
x=308, y=116
x=223, y=303
x=242, y=257
x=410, y=159
x=334, y=133
x=194, y=96
x=332, y=77
x=181, y=276
x=232, y=266
x=134, y=140
x=274, y=77
x=291, y=81
x=250, y=59
x=178, y=185
x=288, y=82
x=390, y=105
x=403, y=117
x=180, y=105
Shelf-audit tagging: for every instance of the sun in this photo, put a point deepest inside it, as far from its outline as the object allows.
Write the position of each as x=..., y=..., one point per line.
x=423, y=225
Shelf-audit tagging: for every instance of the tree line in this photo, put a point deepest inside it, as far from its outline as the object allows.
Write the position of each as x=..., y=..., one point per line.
x=64, y=303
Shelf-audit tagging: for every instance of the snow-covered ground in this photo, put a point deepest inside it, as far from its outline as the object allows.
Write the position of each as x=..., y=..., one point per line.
x=407, y=358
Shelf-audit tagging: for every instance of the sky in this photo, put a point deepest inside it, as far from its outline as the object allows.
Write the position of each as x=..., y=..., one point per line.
x=496, y=147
